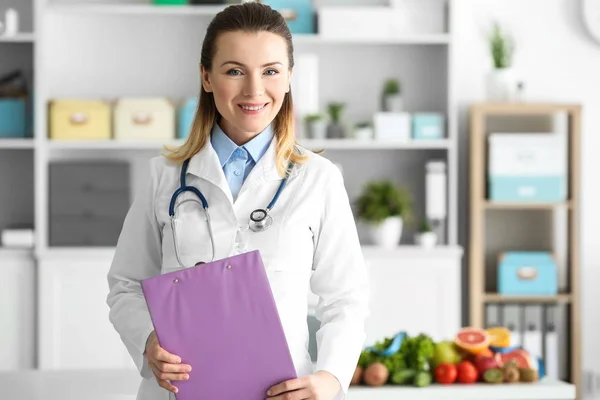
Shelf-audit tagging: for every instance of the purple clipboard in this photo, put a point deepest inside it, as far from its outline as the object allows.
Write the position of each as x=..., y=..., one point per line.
x=221, y=318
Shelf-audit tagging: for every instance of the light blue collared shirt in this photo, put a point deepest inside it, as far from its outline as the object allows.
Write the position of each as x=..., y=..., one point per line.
x=238, y=161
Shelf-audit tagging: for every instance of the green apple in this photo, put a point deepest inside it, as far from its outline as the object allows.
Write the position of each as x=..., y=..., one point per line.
x=446, y=352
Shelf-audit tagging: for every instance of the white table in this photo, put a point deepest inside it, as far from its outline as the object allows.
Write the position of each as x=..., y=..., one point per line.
x=123, y=385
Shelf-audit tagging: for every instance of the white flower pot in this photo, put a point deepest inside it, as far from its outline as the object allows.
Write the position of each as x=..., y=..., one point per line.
x=394, y=103
x=501, y=85
x=426, y=239
x=363, y=133
x=387, y=233
x=317, y=129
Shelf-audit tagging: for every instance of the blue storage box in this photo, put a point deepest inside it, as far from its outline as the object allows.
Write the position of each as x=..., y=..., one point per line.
x=186, y=117
x=13, y=118
x=299, y=14
x=427, y=126
x=527, y=274
x=528, y=188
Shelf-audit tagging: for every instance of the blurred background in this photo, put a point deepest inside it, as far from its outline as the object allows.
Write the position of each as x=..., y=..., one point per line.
x=476, y=118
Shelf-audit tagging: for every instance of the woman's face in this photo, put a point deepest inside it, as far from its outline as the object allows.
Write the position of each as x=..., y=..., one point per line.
x=249, y=79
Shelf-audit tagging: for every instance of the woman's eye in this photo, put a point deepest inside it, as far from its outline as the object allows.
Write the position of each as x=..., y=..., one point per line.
x=272, y=72
x=234, y=72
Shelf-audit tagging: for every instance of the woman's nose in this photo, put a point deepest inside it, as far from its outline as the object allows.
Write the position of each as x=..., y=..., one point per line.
x=254, y=86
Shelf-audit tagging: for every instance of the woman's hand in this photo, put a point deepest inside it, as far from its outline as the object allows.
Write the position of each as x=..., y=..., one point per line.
x=321, y=385
x=165, y=366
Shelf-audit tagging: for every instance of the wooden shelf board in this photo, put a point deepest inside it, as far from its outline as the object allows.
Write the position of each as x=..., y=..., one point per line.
x=542, y=206
x=498, y=298
x=516, y=108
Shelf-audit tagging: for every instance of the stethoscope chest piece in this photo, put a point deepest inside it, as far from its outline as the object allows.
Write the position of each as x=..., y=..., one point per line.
x=260, y=220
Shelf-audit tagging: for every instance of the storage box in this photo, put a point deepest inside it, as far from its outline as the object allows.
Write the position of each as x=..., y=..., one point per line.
x=13, y=118
x=392, y=126
x=88, y=202
x=299, y=14
x=144, y=119
x=419, y=17
x=340, y=22
x=186, y=115
x=527, y=167
x=527, y=274
x=80, y=119
x=427, y=126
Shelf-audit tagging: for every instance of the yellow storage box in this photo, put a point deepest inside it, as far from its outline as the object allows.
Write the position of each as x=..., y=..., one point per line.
x=144, y=119
x=80, y=119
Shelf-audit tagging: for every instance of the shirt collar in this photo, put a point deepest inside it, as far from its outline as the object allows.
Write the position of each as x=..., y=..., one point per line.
x=225, y=147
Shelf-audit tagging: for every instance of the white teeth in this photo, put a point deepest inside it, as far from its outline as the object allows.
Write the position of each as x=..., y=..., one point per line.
x=253, y=108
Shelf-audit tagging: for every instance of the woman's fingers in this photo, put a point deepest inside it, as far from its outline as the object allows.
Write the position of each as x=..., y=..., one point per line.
x=163, y=355
x=166, y=367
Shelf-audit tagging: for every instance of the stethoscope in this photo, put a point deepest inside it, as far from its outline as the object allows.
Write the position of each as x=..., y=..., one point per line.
x=260, y=219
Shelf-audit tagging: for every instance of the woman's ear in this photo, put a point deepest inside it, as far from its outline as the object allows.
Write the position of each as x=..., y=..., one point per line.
x=205, y=79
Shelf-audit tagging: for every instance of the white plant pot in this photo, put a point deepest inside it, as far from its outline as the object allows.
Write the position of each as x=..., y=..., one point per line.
x=317, y=129
x=387, y=233
x=426, y=239
x=394, y=103
x=501, y=85
x=363, y=133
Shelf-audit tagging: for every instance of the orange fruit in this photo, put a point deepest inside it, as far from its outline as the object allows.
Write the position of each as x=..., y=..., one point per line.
x=500, y=336
x=473, y=340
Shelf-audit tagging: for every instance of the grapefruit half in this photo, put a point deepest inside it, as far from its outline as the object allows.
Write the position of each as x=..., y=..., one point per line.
x=521, y=357
x=473, y=340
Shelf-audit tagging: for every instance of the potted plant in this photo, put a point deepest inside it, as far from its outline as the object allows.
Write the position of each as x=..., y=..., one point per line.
x=501, y=81
x=384, y=208
x=335, y=129
x=363, y=130
x=392, y=96
x=316, y=126
x=425, y=236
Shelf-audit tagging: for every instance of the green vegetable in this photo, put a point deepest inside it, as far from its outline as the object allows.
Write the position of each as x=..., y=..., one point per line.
x=422, y=379
x=404, y=376
x=416, y=354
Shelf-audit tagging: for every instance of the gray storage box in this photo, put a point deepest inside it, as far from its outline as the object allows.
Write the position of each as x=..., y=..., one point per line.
x=88, y=202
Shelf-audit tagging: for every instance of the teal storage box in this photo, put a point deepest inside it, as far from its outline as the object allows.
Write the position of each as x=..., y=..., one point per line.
x=427, y=126
x=525, y=273
x=528, y=188
x=13, y=118
x=185, y=117
x=300, y=15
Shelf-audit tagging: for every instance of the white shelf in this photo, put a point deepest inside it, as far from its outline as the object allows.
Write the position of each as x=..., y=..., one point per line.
x=27, y=143
x=327, y=144
x=411, y=251
x=408, y=39
x=18, y=38
x=137, y=9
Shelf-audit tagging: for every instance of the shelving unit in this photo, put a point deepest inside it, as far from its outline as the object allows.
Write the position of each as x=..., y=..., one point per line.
x=483, y=259
x=94, y=27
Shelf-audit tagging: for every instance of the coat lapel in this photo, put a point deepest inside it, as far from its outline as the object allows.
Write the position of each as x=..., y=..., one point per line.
x=206, y=165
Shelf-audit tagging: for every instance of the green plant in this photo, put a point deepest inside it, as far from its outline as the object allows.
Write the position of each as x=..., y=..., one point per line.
x=501, y=47
x=335, y=111
x=425, y=226
x=391, y=86
x=314, y=117
x=382, y=199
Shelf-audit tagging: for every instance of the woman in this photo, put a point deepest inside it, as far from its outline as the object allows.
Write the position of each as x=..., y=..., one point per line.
x=240, y=146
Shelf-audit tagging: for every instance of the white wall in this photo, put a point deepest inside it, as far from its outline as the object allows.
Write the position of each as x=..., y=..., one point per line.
x=558, y=61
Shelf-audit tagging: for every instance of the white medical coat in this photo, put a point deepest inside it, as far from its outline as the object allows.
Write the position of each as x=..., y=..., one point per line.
x=313, y=244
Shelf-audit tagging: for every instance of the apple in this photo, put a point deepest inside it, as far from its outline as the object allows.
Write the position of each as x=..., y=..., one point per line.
x=484, y=363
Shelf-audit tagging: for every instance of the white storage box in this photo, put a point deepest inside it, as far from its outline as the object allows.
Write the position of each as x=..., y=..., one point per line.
x=392, y=126
x=527, y=167
x=144, y=119
x=355, y=22
x=418, y=17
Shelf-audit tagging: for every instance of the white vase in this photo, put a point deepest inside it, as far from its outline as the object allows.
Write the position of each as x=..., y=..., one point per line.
x=426, y=239
x=363, y=133
x=387, y=233
x=393, y=103
x=501, y=85
x=317, y=129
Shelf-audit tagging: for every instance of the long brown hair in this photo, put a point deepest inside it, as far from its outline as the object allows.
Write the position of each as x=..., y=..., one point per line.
x=247, y=17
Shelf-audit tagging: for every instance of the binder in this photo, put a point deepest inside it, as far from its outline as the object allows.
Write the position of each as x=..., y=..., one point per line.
x=221, y=318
